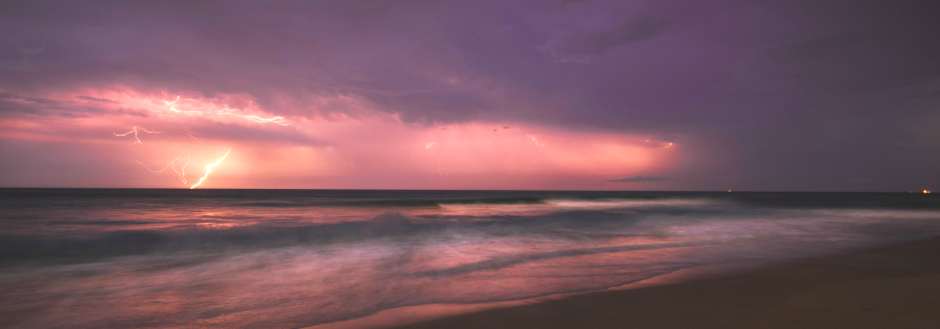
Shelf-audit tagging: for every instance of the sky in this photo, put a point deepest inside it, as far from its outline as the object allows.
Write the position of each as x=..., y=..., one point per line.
x=821, y=95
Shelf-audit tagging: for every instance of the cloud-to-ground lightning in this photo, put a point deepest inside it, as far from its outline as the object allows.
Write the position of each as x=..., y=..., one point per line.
x=535, y=140
x=348, y=163
x=209, y=169
x=134, y=131
x=440, y=173
x=181, y=172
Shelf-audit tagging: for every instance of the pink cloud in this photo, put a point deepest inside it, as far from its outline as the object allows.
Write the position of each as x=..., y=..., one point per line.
x=142, y=139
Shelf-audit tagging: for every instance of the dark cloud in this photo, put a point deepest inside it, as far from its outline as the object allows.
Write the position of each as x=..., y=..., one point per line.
x=12, y=104
x=434, y=106
x=599, y=42
x=929, y=95
x=99, y=100
x=790, y=94
x=638, y=179
x=17, y=105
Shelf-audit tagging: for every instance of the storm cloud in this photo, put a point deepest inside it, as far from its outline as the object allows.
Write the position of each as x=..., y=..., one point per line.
x=793, y=95
x=602, y=41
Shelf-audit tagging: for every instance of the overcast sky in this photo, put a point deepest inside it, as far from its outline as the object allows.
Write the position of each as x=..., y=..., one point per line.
x=822, y=95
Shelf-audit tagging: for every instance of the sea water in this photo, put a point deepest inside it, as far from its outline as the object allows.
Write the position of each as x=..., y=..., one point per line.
x=91, y=258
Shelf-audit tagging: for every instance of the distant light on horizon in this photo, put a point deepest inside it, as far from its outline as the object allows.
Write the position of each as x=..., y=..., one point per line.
x=209, y=169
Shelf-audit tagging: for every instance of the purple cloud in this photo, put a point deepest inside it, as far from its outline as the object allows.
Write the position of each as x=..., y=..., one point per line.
x=793, y=95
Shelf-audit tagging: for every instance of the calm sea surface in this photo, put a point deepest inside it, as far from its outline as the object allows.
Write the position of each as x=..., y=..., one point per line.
x=92, y=258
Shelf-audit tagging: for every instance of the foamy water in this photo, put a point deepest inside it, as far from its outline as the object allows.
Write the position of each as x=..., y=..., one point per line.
x=169, y=258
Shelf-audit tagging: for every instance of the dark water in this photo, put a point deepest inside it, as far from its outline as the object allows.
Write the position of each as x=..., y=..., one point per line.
x=91, y=258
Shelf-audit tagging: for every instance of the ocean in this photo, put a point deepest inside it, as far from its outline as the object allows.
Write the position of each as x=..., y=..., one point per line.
x=93, y=258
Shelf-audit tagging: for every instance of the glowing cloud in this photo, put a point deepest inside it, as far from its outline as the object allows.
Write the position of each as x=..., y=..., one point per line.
x=209, y=169
x=318, y=152
x=174, y=109
x=277, y=120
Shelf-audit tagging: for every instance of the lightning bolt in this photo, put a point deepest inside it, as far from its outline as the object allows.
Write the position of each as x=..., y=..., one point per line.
x=170, y=104
x=174, y=109
x=440, y=174
x=181, y=172
x=277, y=120
x=190, y=134
x=209, y=169
x=534, y=140
x=340, y=158
x=134, y=131
x=151, y=170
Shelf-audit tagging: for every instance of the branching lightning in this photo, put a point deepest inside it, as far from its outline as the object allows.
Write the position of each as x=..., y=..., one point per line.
x=209, y=169
x=534, y=140
x=190, y=134
x=181, y=172
x=277, y=120
x=134, y=131
x=170, y=104
x=174, y=109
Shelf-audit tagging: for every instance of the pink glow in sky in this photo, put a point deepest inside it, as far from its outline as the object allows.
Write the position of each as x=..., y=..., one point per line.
x=140, y=139
x=766, y=96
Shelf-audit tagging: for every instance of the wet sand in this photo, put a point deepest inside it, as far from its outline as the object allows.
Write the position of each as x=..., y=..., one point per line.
x=896, y=286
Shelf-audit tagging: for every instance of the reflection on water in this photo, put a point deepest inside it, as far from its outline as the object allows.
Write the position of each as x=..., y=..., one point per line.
x=131, y=258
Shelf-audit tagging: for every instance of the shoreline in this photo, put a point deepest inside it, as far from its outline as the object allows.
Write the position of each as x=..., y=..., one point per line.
x=411, y=315
x=896, y=285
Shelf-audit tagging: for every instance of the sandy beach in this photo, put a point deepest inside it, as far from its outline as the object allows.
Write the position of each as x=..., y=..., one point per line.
x=896, y=286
